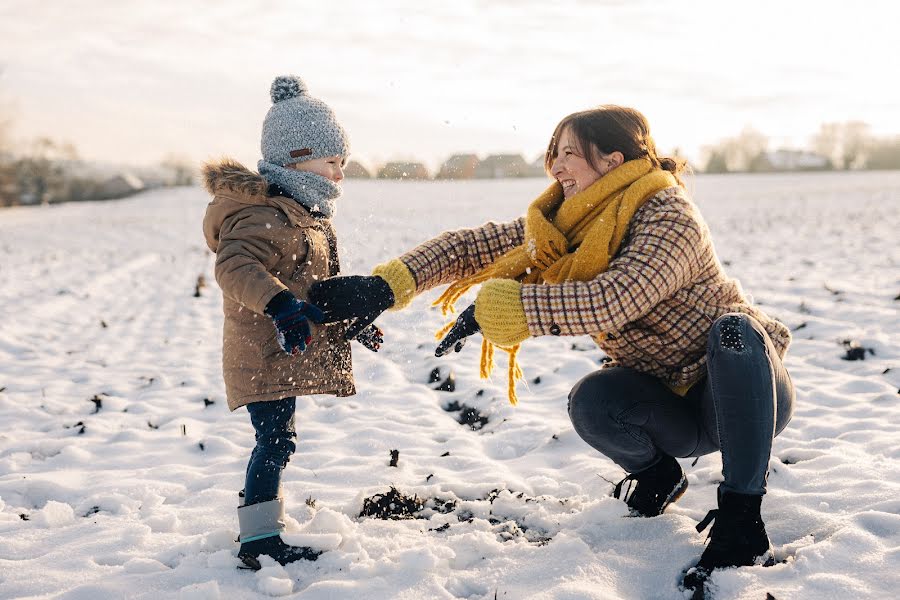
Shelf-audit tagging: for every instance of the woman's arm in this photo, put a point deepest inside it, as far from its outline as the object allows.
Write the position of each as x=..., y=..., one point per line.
x=456, y=254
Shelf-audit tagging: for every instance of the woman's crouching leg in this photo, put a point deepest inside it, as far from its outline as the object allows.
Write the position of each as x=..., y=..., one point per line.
x=632, y=418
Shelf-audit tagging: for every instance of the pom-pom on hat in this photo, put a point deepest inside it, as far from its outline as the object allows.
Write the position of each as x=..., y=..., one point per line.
x=300, y=127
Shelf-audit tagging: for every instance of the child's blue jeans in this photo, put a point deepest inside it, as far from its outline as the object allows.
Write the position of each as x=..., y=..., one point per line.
x=746, y=400
x=275, y=435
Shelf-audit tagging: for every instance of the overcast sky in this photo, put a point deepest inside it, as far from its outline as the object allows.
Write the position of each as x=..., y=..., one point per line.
x=134, y=81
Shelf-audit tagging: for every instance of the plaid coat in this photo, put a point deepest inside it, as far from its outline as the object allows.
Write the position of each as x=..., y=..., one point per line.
x=651, y=310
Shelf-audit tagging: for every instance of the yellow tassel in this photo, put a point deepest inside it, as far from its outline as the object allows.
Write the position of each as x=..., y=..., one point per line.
x=457, y=289
x=515, y=372
x=440, y=333
x=487, y=359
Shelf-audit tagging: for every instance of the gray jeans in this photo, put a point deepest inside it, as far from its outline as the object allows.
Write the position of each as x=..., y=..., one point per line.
x=745, y=400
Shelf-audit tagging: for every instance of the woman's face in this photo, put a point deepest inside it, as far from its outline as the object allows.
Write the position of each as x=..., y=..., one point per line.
x=572, y=170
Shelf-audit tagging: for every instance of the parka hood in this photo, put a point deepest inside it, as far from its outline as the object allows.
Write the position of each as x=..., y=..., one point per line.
x=234, y=187
x=228, y=175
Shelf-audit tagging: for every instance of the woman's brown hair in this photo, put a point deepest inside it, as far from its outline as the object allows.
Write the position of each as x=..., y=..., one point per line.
x=610, y=128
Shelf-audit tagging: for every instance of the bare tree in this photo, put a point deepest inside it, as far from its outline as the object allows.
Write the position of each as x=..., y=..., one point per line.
x=40, y=175
x=884, y=154
x=8, y=194
x=736, y=153
x=845, y=144
x=180, y=168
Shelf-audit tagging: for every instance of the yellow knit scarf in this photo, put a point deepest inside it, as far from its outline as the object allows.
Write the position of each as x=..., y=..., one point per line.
x=566, y=240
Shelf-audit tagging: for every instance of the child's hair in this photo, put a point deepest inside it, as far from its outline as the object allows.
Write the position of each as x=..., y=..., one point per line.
x=610, y=128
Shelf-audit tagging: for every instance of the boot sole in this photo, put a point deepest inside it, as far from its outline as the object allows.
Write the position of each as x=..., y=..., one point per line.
x=680, y=488
x=251, y=563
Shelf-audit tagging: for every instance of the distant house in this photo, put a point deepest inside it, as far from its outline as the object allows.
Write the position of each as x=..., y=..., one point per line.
x=355, y=170
x=458, y=166
x=536, y=168
x=403, y=170
x=502, y=165
x=790, y=160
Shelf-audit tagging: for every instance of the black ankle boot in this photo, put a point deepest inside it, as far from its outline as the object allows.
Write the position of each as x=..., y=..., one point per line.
x=276, y=548
x=654, y=488
x=738, y=538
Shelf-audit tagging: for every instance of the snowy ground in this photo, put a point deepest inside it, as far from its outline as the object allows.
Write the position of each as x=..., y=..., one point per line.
x=120, y=463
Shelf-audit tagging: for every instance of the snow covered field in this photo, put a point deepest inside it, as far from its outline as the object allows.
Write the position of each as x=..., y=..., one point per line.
x=120, y=463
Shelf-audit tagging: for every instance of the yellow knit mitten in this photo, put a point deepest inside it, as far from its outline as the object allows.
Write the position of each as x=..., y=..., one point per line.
x=500, y=312
x=401, y=281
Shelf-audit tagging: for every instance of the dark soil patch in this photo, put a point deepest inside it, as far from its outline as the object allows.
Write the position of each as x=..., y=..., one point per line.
x=393, y=505
x=468, y=415
x=855, y=351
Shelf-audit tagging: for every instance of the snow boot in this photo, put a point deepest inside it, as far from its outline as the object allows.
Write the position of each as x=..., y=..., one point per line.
x=261, y=526
x=655, y=488
x=738, y=538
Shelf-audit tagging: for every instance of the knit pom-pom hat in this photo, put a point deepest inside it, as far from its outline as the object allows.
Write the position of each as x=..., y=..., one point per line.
x=299, y=127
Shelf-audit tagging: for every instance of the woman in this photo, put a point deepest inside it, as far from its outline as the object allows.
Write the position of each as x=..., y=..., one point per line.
x=615, y=249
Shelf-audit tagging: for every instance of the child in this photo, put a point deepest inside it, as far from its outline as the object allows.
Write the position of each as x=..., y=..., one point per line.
x=272, y=236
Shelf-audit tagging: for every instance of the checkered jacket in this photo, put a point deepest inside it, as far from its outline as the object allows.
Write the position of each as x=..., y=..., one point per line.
x=651, y=310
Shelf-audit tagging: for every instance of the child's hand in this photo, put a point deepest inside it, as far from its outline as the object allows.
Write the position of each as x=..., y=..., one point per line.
x=371, y=337
x=291, y=318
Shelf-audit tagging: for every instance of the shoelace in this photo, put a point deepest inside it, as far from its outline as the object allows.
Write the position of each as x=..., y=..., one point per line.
x=709, y=518
x=617, y=491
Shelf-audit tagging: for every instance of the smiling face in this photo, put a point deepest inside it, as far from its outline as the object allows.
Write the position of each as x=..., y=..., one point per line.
x=571, y=167
x=574, y=168
x=329, y=167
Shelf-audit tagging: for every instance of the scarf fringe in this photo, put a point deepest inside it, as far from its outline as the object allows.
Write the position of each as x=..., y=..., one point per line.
x=456, y=289
x=595, y=220
x=513, y=372
x=486, y=367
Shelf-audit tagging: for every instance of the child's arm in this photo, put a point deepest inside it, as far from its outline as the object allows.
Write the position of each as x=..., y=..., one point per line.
x=246, y=253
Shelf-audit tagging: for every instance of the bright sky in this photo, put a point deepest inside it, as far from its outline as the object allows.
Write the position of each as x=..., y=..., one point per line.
x=133, y=81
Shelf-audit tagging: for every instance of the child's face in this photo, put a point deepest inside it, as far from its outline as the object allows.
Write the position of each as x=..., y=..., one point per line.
x=329, y=167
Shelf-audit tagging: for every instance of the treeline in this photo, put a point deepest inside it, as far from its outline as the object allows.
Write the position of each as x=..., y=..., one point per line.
x=836, y=146
x=43, y=171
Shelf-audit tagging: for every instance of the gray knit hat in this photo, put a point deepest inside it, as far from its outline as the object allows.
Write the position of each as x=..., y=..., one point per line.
x=299, y=127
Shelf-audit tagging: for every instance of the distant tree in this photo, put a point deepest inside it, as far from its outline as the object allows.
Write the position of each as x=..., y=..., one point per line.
x=40, y=174
x=846, y=144
x=736, y=153
x=884, y=154
x=716, y=163
x=181, y=168
x=8, y=193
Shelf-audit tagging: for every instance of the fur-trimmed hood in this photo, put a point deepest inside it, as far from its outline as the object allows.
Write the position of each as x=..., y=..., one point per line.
x=228, y=175
x=235, y=188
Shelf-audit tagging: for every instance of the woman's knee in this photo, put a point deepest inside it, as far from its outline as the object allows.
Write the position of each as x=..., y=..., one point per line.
x=599, y=396
x=737, y=332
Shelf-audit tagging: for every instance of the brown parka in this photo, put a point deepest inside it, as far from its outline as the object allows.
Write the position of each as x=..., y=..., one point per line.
x=263, y=245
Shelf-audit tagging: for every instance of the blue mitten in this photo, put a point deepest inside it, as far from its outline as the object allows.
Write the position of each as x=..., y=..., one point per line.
x=291, y=318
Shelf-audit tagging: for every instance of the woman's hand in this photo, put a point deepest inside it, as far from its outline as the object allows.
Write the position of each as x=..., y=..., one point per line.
x=465, y=326
x=356, y=298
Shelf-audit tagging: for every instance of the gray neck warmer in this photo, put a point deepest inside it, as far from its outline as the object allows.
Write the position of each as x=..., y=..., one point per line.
x=316, y=193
